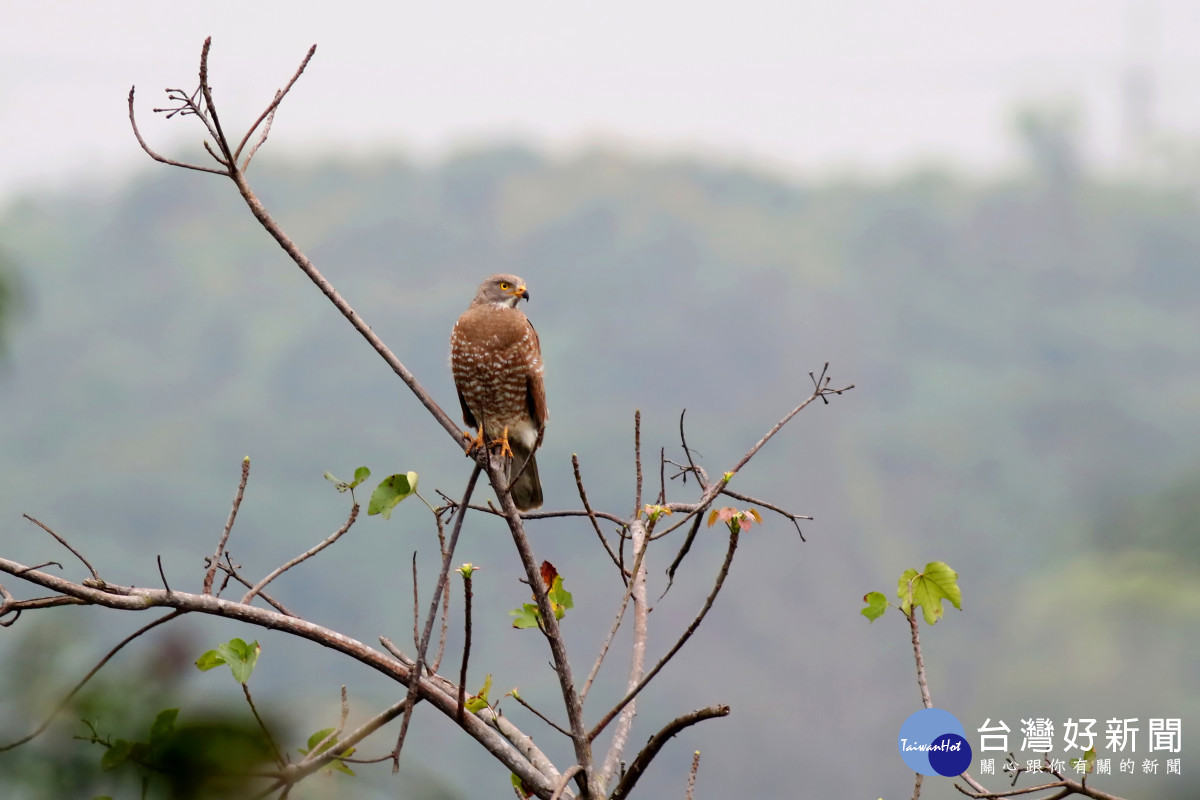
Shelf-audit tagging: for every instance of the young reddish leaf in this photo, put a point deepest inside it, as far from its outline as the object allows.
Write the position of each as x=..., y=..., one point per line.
x=549, y=573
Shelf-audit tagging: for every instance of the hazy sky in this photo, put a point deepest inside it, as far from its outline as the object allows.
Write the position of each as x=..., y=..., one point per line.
x=806, y=85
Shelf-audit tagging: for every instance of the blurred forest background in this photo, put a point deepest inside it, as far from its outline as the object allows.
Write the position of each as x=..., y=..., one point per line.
x=1024, y=347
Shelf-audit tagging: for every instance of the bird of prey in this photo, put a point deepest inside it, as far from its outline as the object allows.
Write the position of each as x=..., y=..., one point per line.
x=497, y=363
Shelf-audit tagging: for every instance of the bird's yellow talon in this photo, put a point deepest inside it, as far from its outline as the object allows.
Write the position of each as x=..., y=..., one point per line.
x=505, y=450
x=475, y=442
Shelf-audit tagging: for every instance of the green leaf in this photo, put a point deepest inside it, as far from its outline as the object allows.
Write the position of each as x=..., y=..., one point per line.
x=1088, y=762
x=240, y=657
x=479, y=701
x=519, y=785
x=360, y=475
x=928, y=589
x=319, y=737
x=525, y=617
x=877, y=603
x=560, y=598
x=164, y=725
x=337, y=764
x=116, y=755
x=209, y=660
x=390, y=492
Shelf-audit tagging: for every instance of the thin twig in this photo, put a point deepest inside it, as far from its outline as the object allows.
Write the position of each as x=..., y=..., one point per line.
x=65, y=544
x=604, y=515
x=162, y=574
x=270, y=110
x=637, y=460
x=436, y=664
x=261, y=139
x=683, y=551
x=423, y=644
x=466, y=655
x=211, y=107
x=662, y=476
x=539, y=714
x=564, y=780
x=691, y=784
x=279, y=759
x=745, y=498
x=231, y=572
x=13, y=606
x=237, y=502
x=164, y=159
x=916, y=642
x=591, y=515
x=416, y=605
x=656, y=743
x=307, y=554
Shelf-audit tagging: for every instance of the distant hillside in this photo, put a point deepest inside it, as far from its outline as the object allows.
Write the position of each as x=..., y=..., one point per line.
x=1024, y=352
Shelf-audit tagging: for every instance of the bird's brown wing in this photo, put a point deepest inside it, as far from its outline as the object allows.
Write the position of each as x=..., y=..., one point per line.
x=535, y=385
x=468, y=417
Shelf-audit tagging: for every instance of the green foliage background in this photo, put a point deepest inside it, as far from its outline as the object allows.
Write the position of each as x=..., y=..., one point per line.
x=1028, y=381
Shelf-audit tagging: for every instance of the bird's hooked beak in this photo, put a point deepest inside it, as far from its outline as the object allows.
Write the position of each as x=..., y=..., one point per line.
x=519, y=293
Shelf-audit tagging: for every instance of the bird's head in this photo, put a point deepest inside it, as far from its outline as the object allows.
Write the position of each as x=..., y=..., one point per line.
x=501, y=290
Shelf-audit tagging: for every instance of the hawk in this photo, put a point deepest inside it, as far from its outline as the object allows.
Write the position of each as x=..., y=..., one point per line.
x=497, y=365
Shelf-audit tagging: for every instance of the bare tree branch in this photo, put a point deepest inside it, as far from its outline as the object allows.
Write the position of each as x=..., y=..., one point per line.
x=65, y=544
x=237, y=502
x=637, y=659
x=638, y=767
x=307, y=554
x=591, y=515
x=269, y=112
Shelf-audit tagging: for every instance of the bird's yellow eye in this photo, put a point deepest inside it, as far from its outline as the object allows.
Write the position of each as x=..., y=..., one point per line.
x=505, y=285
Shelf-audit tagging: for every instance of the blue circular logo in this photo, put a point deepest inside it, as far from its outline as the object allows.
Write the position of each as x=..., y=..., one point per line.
x=934, y=742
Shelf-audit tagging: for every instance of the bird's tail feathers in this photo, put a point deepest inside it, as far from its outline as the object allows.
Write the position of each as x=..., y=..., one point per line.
x=527, y=489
